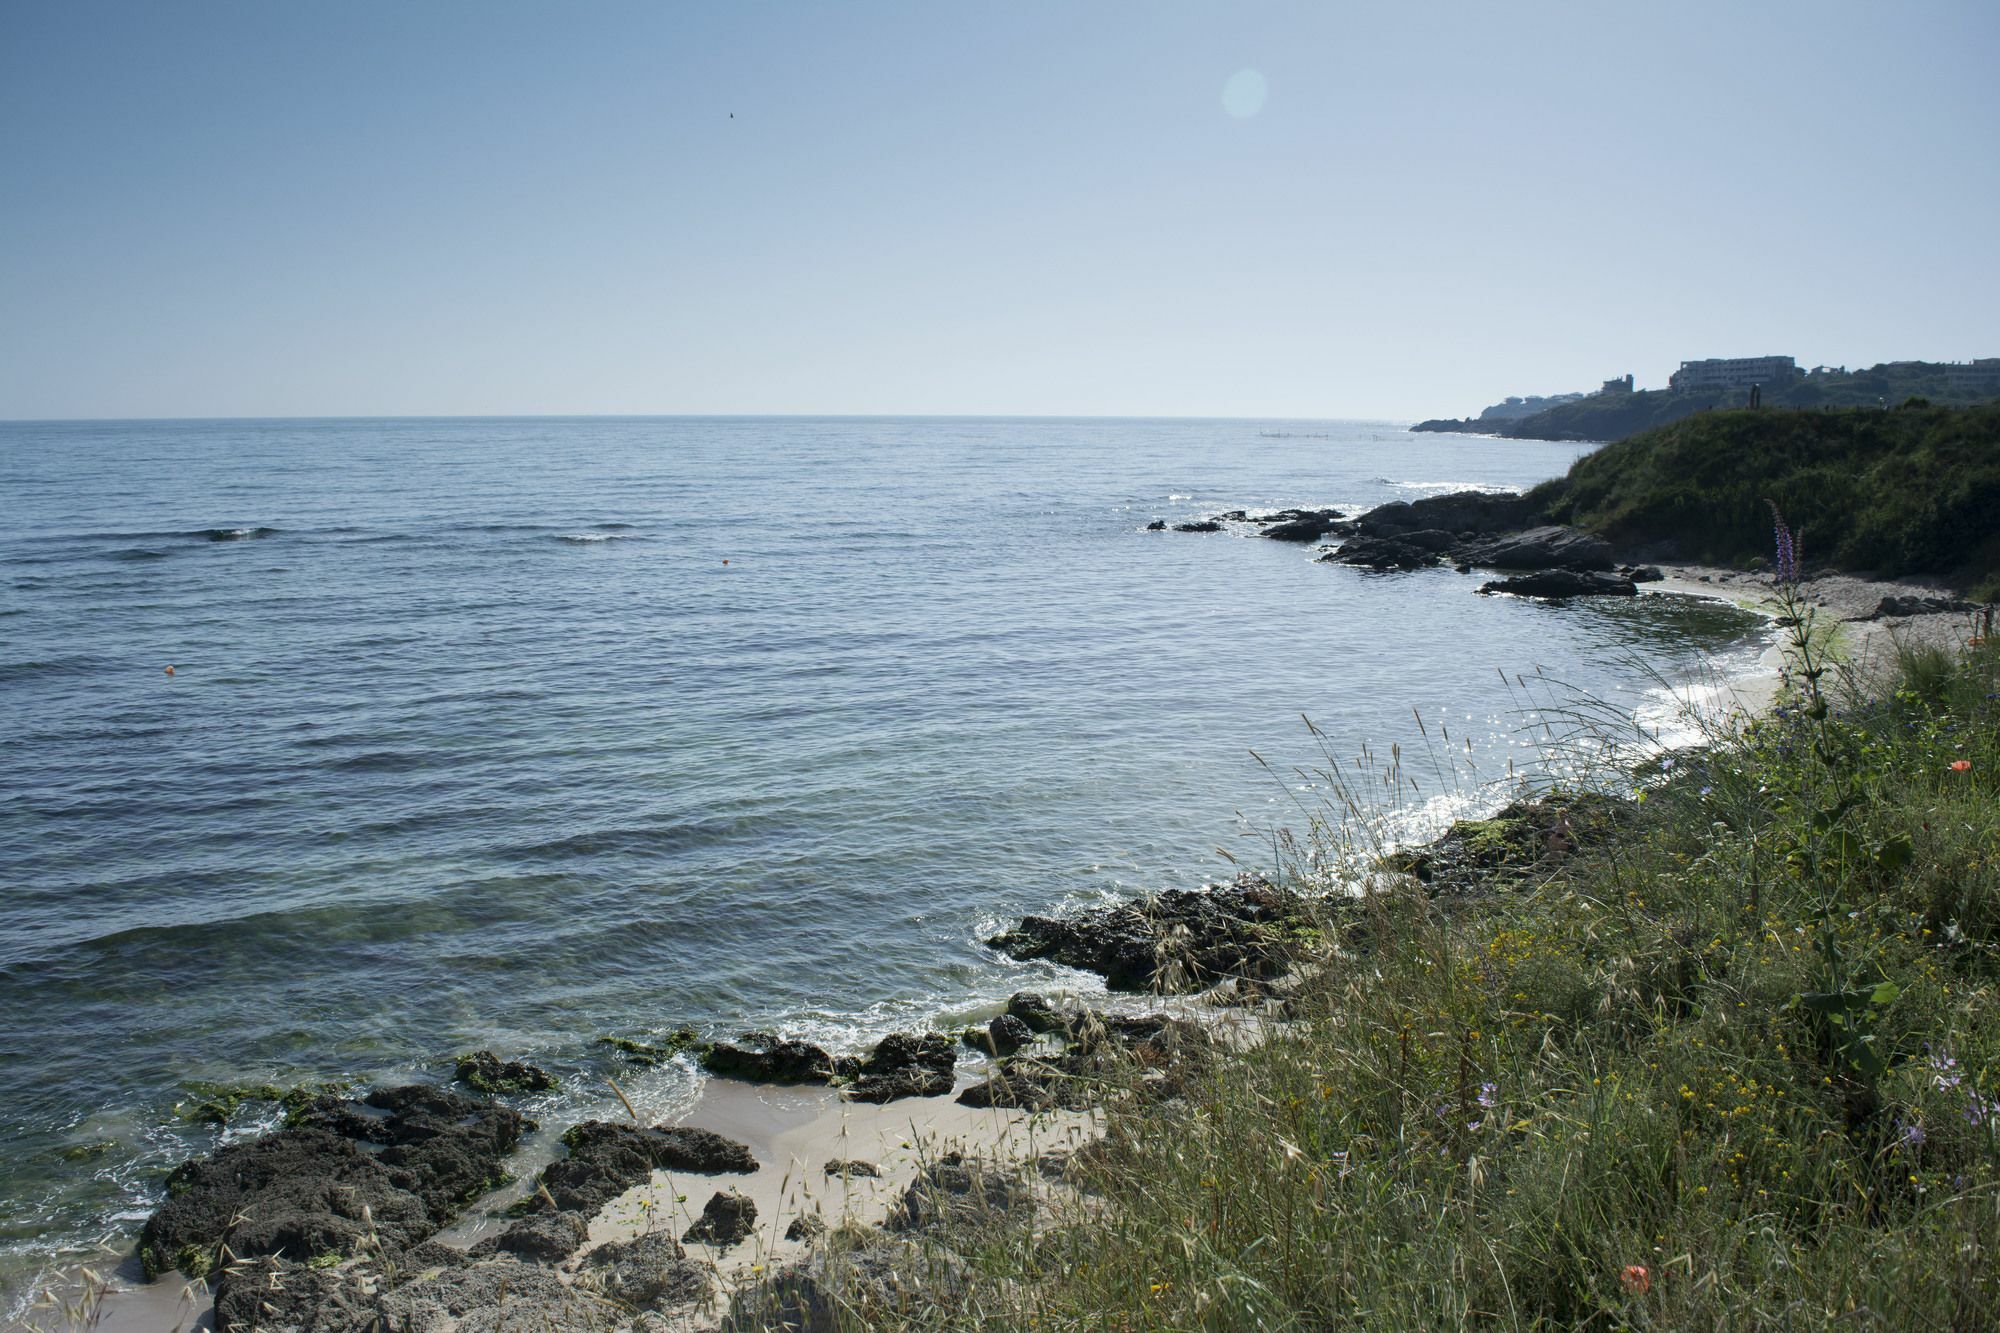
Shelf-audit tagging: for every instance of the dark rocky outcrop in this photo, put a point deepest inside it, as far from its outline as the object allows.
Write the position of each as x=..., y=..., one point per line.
x=488, y=1073
x=1914, y=605
x=1157, y=525
x=546, y=1238
x=1179, y=940
x=502, y=1296
x=961, y=1191
x=1546, y=547
x=1560, y=583
x=1035, y=1010
x=607, y=1159
x=1642, y=573
x=1150, y=1054
x=1419, y=549
x=302, y=1191
x=646, y=1053
x=1523, y=839
x=649, y=1272
x=1300, y=525
x=880, y=1283
x=726, y=1220
x=1007, y=1034
x=840, y=1166
x=765, y=1057
x=902, y=1065
x=1199, y=525
x=1466, y=513
x=806, y=1226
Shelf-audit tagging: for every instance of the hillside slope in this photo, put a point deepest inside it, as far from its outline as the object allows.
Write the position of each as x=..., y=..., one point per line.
x=1915, y=490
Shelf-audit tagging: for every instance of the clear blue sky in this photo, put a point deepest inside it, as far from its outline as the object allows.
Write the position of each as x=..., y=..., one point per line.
x=1408, y=209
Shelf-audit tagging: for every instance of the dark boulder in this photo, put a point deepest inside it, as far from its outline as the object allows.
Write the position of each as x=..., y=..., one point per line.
x=1007, y=1034
x=902, y=1065
x=501, y=1296
x=879, y=1284
x=271, y=1295
x=302, y=1191
x=764, y=1057
x=1560, y=583
x=1157, y=525
x=1301, y=525
x=1548, y=547
x=488, y=1073
x=648, y=1272
x=806, y=1226
x=1642, y=573
x=727, y=1220
x=847, y=1166
x=1031, y=1083
x=606, y=1159
x=1460, y=512
x=1179, y=940
x=1199, y=525
x=546, y=1238
x=961, y=1191
x=1914, y=605
x=1035, y=1010
x=1412, y=550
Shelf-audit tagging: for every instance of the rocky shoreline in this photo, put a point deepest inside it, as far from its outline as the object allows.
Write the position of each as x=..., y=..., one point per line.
x=374, y=1210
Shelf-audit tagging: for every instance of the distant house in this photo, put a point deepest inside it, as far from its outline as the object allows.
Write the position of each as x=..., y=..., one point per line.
x=1980, y=376
x=1623, y=384
x=1733, y=373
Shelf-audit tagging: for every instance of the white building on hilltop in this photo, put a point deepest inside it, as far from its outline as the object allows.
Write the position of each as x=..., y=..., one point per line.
x=1733, y=373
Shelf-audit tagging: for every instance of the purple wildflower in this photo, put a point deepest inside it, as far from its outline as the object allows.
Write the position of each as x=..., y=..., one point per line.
x=1787, y=545
x=1911, y=1137
x=1489, y=1095
x=1981, y=1109
x=1944, y=1072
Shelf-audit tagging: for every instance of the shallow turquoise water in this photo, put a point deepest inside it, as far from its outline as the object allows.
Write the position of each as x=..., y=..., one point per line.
x=519, y=733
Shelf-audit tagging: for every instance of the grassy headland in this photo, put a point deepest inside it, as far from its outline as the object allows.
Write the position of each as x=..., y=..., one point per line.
x=1613, y=416
x=1914, y=490
x=1732, y=1059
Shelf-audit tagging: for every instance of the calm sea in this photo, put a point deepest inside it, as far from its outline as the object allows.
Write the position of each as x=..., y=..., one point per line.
x=519, y=733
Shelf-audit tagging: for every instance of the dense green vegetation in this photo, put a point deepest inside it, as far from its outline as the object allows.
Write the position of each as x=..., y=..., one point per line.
x=1735, y=1064
x=1613, y=416
x=1912, y=490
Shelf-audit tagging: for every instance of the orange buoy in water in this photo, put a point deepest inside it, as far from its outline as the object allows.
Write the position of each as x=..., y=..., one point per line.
x=725, y=562
x=170, y=671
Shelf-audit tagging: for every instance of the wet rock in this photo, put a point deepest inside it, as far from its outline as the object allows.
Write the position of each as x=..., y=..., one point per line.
x=763, y=1057
x=606, y=1159
x=1007, y=1034
x=961, y=1191
x=880, y=1284
x=1151, y=1055
x=545, y=1238
x=1200, y=525
x=852, y=1167
x=1179, y=940
x=648, y=1054
x=1549, y=547
x=726, y=1220
x=1032, y=1084
x=488, y=1073
x=1389, y=553
x=1035, y=1010
x=1642, y=573
x=1301, y=525
x=805, y=1226
x=298, y=1192
x=902, y=1065
x=1561, y=583
x=1157, y=525
x=1524, y=839
x=444, y=1147
x=648, y=1272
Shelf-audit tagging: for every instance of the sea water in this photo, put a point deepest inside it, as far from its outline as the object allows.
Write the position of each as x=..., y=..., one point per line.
x=523, y=733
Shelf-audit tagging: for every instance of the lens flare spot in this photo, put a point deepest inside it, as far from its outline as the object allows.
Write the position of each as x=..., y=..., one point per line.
x=1243, y=95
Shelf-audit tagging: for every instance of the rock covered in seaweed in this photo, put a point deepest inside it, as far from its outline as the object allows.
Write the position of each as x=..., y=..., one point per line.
x=902, y=1065
x=765, y=1057
x=313, y=1190
x=1556, y=584
x=727, y=1219
x=606, y=1159
x=488, y=1073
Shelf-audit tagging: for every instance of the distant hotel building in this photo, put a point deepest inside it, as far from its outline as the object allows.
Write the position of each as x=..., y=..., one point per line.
x=1974, y=376
x=1733, y=373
